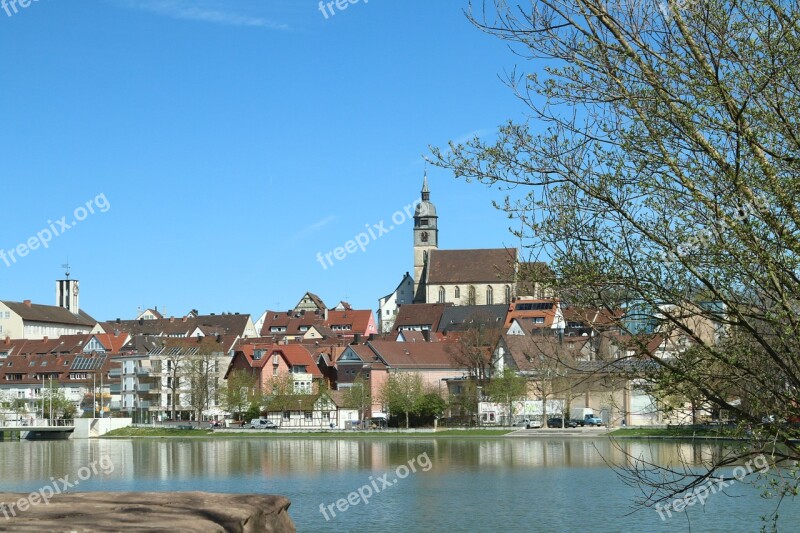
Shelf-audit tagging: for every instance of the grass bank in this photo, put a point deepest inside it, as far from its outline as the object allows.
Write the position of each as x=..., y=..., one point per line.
x=158, y=432
x=674, y=433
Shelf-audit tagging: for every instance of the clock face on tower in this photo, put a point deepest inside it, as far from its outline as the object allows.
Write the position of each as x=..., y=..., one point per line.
x=75, y=290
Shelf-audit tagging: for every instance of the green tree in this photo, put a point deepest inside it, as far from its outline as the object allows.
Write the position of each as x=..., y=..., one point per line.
x=401, y=393
x=506, y=389
x=658, y=170
x=358, y=396
x=57, y=404
x=430, y=404
x=239, y=392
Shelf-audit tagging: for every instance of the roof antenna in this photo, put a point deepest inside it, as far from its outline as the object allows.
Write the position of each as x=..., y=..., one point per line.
x=66, y=266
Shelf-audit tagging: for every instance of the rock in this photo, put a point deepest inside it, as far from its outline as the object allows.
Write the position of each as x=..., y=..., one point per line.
x=144, y=511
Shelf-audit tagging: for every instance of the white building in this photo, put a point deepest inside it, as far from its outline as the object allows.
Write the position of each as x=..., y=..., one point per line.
x=389, y=305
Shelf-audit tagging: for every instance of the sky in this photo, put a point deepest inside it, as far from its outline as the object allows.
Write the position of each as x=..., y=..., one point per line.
x=208, y=154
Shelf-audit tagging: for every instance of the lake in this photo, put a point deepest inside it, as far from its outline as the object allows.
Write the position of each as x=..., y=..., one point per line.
x=410, y=484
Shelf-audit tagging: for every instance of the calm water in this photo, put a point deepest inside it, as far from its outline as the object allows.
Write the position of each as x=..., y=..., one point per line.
x=468, y=485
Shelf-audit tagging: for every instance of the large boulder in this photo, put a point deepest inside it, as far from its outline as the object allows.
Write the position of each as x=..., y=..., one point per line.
x=144, y=511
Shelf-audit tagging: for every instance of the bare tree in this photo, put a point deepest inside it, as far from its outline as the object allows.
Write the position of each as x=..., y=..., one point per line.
x=659, y=172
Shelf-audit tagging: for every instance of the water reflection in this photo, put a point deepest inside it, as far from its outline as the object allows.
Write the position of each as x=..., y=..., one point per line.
x=474, y=484
x=165, y=460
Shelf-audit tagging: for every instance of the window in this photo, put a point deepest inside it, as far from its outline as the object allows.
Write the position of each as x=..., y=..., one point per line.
x=286, y=415
x=441, y=295
x=308, y=415
x=471, y=296
x=258, y=354
x=508, y=294
x=275, y=370
x=458, y=292
x=538, y=320
x=489, y=295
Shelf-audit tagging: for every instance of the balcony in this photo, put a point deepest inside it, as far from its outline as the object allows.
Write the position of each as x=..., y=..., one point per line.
x=142, y=387
x=115, y=388
x=115, y=372
x=143, y=405
x=114, y=406
x=142, y=372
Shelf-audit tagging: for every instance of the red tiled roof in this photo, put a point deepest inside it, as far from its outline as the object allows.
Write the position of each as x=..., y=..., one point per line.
x=424, y=355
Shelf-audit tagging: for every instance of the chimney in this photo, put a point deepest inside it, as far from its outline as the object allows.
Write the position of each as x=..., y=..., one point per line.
x=171, y=319
x=357, y=338
x=426, y=334
x=45, y=338
x=8, y=340
x=118, y=321
x=27, y=302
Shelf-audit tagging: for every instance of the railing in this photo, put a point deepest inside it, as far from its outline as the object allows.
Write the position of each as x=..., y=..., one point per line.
x=142, y=387
x=115, y=388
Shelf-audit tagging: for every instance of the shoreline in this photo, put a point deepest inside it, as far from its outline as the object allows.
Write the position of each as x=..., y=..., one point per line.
x=581, y=433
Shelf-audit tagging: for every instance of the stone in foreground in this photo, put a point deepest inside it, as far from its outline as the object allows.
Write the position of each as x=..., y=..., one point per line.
x=145, y=511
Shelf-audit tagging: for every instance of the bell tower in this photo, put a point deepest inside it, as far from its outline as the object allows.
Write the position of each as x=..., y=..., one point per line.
x=67, y=293
x=426, y=238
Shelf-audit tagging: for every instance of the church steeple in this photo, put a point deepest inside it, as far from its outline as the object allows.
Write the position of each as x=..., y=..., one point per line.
x=426, y=239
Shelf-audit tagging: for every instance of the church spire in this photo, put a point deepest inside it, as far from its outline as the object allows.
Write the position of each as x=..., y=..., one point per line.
x=426, y=193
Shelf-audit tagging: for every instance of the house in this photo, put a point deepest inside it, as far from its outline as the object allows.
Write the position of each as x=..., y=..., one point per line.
x=544, y=312
x=419, y=317
x=389, y=305
x=343, y=322
x=150, y=314
x=278, y=368
x=375, y=361
x=323, y=410
x=83, y=379
x=459, y=318
x=182, y=375
x=191, y=325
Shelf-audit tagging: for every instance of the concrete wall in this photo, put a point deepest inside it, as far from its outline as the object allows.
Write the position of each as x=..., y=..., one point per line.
x=86, y=428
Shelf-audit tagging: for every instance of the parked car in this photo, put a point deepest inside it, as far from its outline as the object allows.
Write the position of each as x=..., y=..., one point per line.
x=557, y=423
x=533, y=424
x=262, y=423
x=529, y=423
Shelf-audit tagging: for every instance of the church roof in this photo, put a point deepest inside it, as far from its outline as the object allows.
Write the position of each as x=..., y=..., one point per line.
x=493, y=265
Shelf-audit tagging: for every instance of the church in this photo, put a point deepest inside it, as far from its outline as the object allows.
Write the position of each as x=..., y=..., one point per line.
x=464, y=277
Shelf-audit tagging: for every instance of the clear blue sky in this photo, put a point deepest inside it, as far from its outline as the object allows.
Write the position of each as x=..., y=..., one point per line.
x=233, y=141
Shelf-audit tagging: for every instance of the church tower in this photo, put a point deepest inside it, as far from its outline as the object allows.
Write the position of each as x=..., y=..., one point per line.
x=426, y=238
x=67, y=294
